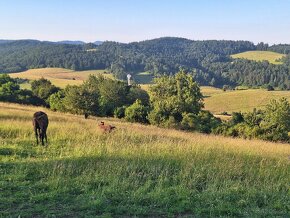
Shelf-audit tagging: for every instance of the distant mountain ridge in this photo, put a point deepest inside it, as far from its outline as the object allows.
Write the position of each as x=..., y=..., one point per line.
x=71, y=42
x=2, y=41
x=68, y=42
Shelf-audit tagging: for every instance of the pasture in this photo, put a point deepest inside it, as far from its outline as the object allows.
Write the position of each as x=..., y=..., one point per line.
x=136, y=170
x=143, y=78
x=272, y=57
x=218, y=101
x=58, y=76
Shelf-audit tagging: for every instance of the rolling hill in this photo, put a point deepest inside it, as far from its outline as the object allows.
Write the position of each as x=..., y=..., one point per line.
x=136, y=170
x=209, y=61
x=272, y=57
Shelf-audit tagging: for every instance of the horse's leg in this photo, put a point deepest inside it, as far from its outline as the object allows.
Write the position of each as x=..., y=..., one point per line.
x=41, y=136
x=45, y=136
x=36, y=135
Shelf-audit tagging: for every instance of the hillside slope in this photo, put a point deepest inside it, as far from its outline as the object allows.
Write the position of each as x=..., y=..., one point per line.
x=135, y=171
x=209, y=61
x=59, y=76
x=218, y=101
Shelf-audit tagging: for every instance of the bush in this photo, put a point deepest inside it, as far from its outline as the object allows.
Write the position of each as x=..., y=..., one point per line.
x=270, y=88
x=137, y=112
x=11, y=92
x=227, y=87
x=43, y=88
x=189, y=121
x=26, y=97
x=204, y=122
x=237, y=117
x=137, y=93
x=272, y=124
x=56, y=101
x=207, y=122
x=119, y=112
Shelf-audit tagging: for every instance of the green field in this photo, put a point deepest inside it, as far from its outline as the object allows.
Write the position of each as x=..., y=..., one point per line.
x=272, y=57
x=143, y=78
x=135, y=171
x=218, y=101
x=59, y=76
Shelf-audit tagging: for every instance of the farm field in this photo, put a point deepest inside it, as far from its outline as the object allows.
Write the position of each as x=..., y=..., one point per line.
x=58, y=76
x=218, y=101
x=136, y=170
x=272, y=57
x=143, y=78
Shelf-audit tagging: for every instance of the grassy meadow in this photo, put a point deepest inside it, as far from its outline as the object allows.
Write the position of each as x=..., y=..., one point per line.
x=136, y=170
x=143, y=78
x=272, y=57
x=218, y=101
x=58, y=76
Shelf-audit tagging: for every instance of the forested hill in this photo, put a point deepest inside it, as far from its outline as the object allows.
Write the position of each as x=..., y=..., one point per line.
x=209, y=61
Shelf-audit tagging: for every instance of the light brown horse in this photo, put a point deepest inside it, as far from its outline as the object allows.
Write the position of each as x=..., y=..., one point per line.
x=40, y=124
x=106, y=128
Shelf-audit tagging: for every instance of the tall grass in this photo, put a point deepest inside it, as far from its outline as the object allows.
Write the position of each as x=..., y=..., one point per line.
x=136, y=170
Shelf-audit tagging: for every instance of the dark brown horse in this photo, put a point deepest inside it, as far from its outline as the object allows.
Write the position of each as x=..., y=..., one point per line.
x=40, y=124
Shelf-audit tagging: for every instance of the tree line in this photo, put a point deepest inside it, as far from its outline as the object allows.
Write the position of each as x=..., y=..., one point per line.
x=172, y=102
x=208, y=60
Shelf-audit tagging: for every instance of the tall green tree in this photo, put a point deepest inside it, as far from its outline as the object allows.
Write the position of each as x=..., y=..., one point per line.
x=79, y=100
x=172, y=96
x=9, y=89
x=43, y=88
x=113, y=93
x=276, y=121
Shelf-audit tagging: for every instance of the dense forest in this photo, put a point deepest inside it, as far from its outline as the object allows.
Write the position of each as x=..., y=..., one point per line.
x=208, y=61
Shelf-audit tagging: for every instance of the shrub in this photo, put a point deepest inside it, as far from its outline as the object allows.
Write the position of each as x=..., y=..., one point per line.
x=56, y=101
x=119, y=112
x=189, y=121
x=270, y=88
x=204, y=122
x=137, y=93
x=11, y=92
x=137, y=112
x=272, y=124
x=237, y=117
x=43, y=88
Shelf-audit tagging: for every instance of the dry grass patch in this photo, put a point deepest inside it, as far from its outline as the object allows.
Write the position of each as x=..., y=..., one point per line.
x=59, y=76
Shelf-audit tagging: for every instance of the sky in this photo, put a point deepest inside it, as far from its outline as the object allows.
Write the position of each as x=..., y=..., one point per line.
x=136, y=20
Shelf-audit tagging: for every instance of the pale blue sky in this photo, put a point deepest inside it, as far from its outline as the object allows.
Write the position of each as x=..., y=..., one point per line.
x=135, y=20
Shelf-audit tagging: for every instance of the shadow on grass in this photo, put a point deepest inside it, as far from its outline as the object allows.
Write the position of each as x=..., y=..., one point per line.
x=122, y=185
